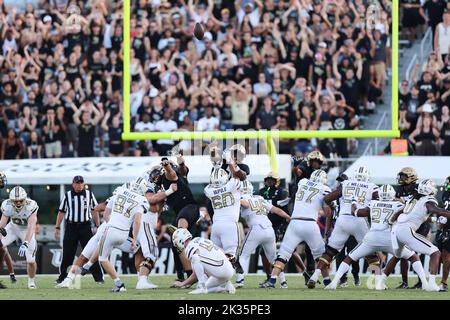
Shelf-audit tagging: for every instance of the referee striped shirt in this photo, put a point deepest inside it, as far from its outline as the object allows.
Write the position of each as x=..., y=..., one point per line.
x=78, y=207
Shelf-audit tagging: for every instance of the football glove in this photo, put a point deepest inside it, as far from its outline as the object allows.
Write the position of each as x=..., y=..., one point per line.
x=23, y=249
x=3, y=232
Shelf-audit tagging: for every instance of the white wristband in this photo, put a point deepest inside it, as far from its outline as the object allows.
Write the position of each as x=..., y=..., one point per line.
x=169, y=192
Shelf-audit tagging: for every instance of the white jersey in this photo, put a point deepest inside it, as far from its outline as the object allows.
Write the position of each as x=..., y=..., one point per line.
x=415, y=212
x=124, y=207
x=208, y=252
x=257, y=213
x=355, y=190
x=225, y=200
x=309, y=199
x=19, y=218
x=381, y=212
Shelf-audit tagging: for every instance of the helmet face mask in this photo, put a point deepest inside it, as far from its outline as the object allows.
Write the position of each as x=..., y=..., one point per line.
x=155, y=174
x=179, y=238
x=427, y=188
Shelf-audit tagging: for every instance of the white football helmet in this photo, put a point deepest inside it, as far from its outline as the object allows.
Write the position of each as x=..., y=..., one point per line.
x=427, y=187
x=246, y=187
x=140, y=186
x=319, y=176
x=218, y=178
x=18, y=195
x=386, y=193
x=179, y=238
x=362, y=174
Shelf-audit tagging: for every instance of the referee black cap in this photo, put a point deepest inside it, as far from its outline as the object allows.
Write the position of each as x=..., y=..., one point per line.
x=78, y=179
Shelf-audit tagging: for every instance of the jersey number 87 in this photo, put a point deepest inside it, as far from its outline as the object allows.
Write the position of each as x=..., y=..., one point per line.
x=120, y=203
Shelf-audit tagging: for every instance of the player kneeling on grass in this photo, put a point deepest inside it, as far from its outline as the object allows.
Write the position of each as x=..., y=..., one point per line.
x=416, y=211
x=255, y=210
x=303, y=226
x=127, y=208
x=210, y=265
x=379, y=236
x=23, y=214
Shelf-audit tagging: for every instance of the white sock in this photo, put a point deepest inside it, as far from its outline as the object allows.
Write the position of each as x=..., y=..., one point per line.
x=142, y=278
x=315, y=275
x=418, y=268
x=432, y=279
x=282, y=277
x=30, y=280
x=343, y=268
x=117, y=281
x=383, y=276
x=87, y=265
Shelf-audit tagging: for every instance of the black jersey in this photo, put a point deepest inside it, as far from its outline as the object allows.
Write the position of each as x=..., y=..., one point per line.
x=183, y=197
x=275, y=195
x=405, y=193
x=241, y=166
x=446, y=202
x=306, y=170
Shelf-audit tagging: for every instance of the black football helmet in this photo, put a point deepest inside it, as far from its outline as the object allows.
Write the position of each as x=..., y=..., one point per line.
x=155, y=175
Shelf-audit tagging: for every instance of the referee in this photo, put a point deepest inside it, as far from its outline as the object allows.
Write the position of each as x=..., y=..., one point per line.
x=76, y=209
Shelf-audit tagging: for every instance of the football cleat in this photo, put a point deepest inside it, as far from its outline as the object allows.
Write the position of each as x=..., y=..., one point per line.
x=141, y=285
x=31, y=285
x=120, y=288
x=356, y=281
x=343, y=283
x=418, y=285
x=267, y=285
x=443, y=287
x=64, y=284
x=2, y=286
x=381, y=285
x=311, y=284
x=432, y=286
x=403, y=285
x=284, y=285
x=12, y=277
x=84, y=271
x=326, y=282
x=239, y=284
x=331, y=286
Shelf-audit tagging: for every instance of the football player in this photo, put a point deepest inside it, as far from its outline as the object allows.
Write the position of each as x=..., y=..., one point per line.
x=225, y=198
x=443, y=237
x=4, y=254
x=303, y=226
x=255, y=210
x=21, y=212
x=211, y=266
x=407, y=184
x=127, y=208
x=379, y=236
x=416, y=212
x=303, y=169
x=360, y=189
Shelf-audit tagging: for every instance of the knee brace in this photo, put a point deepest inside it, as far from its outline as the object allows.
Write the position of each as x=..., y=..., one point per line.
x=279, y=264
x=147, y=263
x=329, y=254
x=280, y=259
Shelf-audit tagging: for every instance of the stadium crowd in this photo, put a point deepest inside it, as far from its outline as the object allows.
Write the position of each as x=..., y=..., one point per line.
x=298, y=64
x=424, y=99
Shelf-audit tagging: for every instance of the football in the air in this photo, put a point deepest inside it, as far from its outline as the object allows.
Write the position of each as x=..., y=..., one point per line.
x=198, y=31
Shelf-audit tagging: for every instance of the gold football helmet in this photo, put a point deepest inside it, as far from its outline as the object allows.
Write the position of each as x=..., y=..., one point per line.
x=407, y=176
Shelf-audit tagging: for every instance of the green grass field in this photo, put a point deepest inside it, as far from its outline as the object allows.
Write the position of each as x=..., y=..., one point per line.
x=296, y=291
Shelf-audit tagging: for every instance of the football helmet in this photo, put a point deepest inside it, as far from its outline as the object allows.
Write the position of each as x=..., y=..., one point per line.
x=3, y=180
x=362, y=174
x=218, y=178
x=246, y=187
x=427, y=187
x=407, y=176
x=154, y=175
x=18, y=195
x=315, y=155
x=274, y=176
x=140, y=186
x=179, y=238
x=386, y=193
x=319, y=176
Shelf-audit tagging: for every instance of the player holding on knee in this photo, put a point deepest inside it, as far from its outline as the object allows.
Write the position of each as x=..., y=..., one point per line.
x=210, y=265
